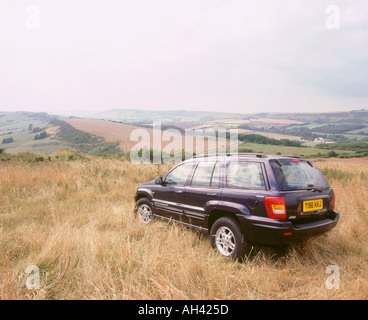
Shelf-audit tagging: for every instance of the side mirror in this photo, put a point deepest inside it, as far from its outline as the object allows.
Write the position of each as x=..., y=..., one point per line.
x=158, y=180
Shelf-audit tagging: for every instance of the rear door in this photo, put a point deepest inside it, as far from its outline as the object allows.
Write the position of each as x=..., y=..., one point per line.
x=203, y=189
x=246, y=185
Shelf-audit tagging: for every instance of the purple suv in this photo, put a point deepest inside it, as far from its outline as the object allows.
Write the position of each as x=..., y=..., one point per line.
x=240, y=199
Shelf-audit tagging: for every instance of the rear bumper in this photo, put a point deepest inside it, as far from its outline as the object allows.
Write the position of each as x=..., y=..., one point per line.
x=274, y=232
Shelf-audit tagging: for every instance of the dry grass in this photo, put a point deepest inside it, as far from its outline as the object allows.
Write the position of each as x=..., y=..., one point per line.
x=74, y=221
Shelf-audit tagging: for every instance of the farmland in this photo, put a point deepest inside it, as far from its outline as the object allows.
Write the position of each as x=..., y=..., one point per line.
x=72, y=216
x=285, y=150
x=112, y=133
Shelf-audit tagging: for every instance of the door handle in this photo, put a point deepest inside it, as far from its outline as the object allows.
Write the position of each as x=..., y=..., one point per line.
x=214, y=194
x=178, y=191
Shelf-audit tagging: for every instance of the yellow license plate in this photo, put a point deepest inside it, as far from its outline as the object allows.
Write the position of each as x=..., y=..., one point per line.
x=312, y=205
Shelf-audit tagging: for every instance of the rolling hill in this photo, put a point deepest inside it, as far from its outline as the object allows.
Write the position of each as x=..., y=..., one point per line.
x=164, y=116
x=110, y=132
x=15, y=122
x=172, y=140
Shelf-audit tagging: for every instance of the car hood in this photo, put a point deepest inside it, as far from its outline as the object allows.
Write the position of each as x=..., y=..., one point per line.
x=146, y=184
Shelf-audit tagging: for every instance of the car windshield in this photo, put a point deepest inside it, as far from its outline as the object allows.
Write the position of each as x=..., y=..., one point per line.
x=295, y=174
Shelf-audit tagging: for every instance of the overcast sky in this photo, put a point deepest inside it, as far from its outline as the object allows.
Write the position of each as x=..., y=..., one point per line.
x=220, y=55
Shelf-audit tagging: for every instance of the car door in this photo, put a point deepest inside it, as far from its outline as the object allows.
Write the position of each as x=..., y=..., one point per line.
x=245, y=185
x=169, y=196
x=202, y=189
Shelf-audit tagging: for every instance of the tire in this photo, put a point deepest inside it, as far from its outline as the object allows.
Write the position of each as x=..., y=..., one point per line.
x=144, y=210
x=228, y=240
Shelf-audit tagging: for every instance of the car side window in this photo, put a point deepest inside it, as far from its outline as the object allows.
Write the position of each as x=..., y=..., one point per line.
x=245, y=175
x=178, y=176
x=203, y=174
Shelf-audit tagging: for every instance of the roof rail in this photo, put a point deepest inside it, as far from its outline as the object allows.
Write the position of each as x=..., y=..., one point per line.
x=297, y=157
x=229, y=154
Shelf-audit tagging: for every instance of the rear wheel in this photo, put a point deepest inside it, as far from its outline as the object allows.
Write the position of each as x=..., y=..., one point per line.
x=228, y=240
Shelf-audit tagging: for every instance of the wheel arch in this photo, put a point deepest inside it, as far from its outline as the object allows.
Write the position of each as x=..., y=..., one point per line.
x=143, y=193
x=219, y=213
x=227, y=209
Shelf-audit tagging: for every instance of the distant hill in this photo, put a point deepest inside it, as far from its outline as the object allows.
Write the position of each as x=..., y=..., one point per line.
x=164, y=116
x=354, y=117
x=29, y=131
x=351, y=126
x=109, y=132
x=16, y=122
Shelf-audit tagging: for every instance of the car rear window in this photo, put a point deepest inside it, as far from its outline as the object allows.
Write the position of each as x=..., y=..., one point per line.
x=245, y=175
x=295, y=174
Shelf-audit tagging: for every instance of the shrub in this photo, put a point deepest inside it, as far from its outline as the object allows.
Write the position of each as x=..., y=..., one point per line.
x=40, y=136
x=7, y=140
x=257, y=138
x=332, y=154
x=68, y=155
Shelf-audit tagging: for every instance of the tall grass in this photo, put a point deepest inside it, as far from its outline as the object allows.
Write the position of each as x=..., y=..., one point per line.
x=74, y=220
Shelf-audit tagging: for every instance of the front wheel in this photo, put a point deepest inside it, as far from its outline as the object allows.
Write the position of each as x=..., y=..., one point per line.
x=144, y=210
x=228, y=240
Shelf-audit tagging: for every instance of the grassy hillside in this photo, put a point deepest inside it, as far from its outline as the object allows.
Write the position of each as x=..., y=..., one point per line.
x=25, y=141
x=15, y=122
x=84, y=141
x=22, y=128
x=53, y=136
x=74, y=220
x=109, y=131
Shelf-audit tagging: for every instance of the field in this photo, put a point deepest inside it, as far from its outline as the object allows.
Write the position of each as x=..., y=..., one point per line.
x=114, y=136
x=111, y=131
x=74, y=221
x=15, y=122
x=122, y=133
x=24, y=141
x=285, y=150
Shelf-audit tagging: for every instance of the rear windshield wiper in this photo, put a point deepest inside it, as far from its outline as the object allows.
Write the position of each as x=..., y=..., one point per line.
x=316, y=189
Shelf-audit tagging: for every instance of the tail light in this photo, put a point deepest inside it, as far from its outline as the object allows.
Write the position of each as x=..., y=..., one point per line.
x=334, y=201
x=275, y=207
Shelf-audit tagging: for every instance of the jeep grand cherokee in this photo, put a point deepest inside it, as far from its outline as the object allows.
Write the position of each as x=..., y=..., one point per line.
x=241, y=199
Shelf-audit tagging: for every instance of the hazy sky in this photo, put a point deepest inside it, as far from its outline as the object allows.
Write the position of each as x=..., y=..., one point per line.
x=221, y=55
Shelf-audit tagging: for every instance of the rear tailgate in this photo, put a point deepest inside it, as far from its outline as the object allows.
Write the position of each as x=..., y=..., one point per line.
x=308, y=196
x=306, y=205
